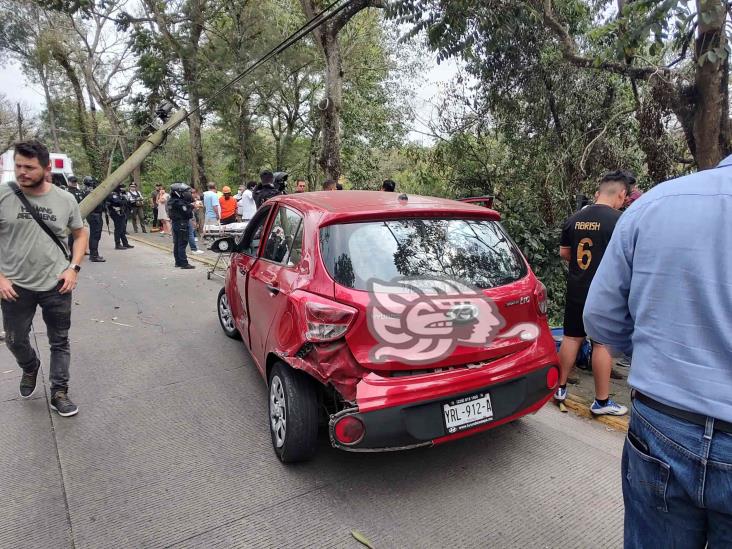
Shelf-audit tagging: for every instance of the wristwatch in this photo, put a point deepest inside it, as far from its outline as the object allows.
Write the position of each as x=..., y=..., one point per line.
x=76, y=267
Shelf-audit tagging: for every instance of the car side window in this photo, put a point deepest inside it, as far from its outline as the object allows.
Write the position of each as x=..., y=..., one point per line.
x=252, y=236
x=296, y=251
x=284, y=241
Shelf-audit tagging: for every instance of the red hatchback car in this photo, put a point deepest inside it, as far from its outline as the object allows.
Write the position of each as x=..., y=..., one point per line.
x=397, y=321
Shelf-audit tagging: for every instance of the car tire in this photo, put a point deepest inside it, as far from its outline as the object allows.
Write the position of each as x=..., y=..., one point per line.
x=226, y=317
x=292, y=397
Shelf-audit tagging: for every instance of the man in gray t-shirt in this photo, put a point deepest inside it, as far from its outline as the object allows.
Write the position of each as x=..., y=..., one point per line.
x=35, y=271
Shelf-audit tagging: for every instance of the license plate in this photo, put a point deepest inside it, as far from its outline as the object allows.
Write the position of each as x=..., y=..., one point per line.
x=467, y=412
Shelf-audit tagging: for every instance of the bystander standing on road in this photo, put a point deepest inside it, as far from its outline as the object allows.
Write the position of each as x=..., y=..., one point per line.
x=154, y=205
x=246, y=207
x=388, y=186
x=663, y=295
x=301, y=186
x=136, y=208
x=227, y=205
x=585, y=237
x=238, y=196
x=36, y=269
x=198, y=211
x=211, y=206
x=329, y=185
x=163, y=217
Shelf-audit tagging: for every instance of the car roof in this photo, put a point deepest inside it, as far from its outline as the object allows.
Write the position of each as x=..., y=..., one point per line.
x=345, y=206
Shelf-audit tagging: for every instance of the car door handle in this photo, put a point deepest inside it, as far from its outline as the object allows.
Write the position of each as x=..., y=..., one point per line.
x=273, y=289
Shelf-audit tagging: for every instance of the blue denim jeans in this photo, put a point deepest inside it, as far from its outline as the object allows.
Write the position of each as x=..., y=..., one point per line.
x=677, y=483
x=192, y=237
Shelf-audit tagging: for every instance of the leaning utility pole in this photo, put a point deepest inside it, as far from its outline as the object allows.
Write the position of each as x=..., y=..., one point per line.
x=98, y=195
x=20, y=124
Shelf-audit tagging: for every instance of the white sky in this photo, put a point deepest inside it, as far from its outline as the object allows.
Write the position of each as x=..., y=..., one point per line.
x=18, y=90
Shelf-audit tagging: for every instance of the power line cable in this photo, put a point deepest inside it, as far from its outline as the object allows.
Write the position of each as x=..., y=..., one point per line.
x=324, y=15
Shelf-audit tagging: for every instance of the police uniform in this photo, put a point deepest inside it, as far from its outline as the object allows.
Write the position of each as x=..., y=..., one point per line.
x=96, y=223
x=180, y=210
x=117, y=206
x=78, y=195
x=137, y=209
x=263, y=192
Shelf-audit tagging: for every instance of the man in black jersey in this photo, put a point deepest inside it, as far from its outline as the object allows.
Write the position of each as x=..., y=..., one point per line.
x=585, y=237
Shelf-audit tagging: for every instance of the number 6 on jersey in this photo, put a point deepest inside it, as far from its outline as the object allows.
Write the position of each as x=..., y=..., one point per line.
x=584, y=253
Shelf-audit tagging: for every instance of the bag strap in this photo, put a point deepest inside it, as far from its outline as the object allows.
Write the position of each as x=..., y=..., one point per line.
x=34, y=214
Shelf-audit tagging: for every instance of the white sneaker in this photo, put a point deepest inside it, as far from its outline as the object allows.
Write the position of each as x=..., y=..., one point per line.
x=199, y=252
x=612, y=408
x=561, y=394
x=195, y=240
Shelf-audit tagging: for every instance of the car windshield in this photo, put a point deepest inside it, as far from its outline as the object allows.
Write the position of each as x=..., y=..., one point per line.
x=478, y=252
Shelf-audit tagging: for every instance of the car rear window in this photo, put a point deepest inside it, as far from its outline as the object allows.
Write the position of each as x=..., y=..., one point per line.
x=478, y=252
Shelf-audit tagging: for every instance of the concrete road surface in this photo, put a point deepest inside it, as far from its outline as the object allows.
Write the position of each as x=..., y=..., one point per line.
x=171, y=448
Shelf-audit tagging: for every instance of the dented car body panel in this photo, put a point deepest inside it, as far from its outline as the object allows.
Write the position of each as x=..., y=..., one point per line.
x=280, y=290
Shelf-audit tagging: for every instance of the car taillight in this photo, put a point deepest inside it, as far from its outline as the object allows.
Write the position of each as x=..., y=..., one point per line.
x=552, y=377
x=540, y=295
x=326, y=322
x=58, y=163
x=349, y=430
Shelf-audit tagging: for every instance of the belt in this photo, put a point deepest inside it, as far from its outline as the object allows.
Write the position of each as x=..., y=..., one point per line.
x=691, y=417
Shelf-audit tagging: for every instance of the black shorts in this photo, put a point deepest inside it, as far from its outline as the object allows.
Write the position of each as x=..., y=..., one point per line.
x=573, y=324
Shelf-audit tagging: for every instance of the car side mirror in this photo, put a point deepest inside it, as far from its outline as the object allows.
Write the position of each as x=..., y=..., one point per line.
x=223, y=245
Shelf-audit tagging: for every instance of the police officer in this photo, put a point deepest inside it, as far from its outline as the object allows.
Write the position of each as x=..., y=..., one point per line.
x=137, y=208
x=117, y=206
x=95, y=223
x=180, y=210
x=79, y=195
x=266, y=188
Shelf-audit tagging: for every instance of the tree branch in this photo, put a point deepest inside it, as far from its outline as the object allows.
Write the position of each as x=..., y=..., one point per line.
x=342, y=19
x=569, y=50
x=591, y=144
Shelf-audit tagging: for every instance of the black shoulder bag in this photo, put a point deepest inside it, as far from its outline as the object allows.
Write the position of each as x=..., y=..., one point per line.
x=34, y=214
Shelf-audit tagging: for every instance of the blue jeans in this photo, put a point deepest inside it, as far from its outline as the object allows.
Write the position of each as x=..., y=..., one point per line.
x=677, y=482
x=192, y=237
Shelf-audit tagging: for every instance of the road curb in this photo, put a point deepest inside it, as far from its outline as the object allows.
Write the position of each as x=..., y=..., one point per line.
x=581, y=407
x=203, y=260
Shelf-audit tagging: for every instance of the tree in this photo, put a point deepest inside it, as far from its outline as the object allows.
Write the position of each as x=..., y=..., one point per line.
x=15, y=123
x=326, y=36
x=645, y=42
x=22, y=27
x=107, y=66
x=181, y=25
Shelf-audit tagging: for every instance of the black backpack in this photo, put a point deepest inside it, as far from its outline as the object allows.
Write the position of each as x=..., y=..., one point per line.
x=263, y=193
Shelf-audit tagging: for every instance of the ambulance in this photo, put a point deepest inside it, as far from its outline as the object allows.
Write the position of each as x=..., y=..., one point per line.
x=62, y=167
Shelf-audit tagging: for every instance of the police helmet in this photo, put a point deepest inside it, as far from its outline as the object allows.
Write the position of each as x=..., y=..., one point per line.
x=181, y=190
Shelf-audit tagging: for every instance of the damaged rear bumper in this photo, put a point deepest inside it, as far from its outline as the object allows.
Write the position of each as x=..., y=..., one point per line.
x=421, y=422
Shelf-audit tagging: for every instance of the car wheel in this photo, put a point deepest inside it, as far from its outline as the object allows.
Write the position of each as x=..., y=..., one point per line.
x=226, y=317
x=293, y=414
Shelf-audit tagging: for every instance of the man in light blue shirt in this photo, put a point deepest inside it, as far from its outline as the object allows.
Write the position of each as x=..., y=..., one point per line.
x=663, y=294
x=212, y=209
